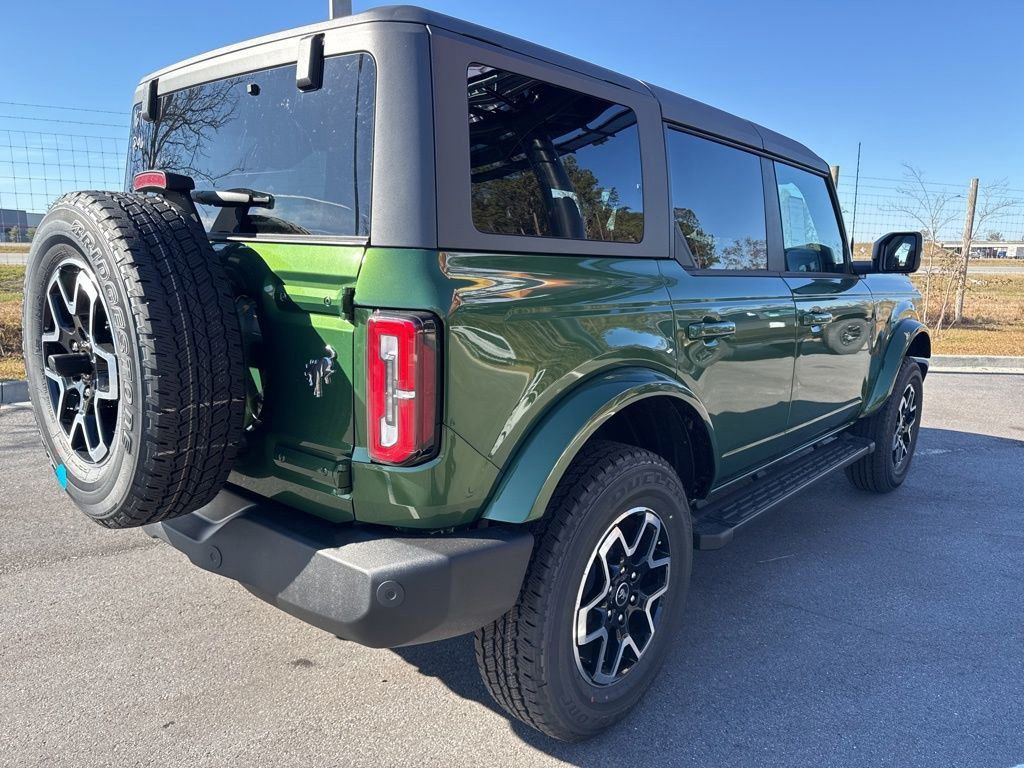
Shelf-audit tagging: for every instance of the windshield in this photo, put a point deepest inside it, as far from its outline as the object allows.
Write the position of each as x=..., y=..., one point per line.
x=311, y=150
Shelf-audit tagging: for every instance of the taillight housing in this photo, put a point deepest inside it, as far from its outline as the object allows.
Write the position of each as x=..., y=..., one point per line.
x=402, y=387
x=148, y=181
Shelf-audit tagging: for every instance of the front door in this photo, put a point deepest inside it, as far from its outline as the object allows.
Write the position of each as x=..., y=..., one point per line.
x=834, y=307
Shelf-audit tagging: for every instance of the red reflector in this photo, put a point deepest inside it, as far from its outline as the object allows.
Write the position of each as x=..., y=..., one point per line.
x=149, y=180
x=402, y=389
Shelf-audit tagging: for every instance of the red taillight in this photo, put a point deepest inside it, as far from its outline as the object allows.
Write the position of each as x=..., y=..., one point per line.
x=148, y=180
x=402, y=387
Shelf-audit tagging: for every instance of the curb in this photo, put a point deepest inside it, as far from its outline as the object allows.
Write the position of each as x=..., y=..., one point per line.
x=978, y=361
x=13, y=392
x=976, y=364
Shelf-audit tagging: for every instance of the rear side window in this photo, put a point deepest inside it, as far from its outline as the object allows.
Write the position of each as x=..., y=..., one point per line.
x=548, y=161
x=311, y=150
x=717, y=203
x=810, y=230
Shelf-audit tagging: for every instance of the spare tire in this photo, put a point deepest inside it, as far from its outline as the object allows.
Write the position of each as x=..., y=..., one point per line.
x=134, y=357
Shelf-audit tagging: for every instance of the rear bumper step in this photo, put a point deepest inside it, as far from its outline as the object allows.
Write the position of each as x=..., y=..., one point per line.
x=381, y=590
x=715, y=524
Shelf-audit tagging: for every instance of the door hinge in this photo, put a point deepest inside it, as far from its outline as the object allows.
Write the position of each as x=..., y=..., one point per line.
x=348, y=303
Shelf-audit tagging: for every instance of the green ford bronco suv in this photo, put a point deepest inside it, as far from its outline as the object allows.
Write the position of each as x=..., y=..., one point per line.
x=416, y=329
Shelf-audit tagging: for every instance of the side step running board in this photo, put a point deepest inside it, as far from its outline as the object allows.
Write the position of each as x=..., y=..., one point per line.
x=715, y=523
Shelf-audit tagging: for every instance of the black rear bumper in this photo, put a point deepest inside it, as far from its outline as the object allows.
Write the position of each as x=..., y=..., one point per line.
x=375, y=588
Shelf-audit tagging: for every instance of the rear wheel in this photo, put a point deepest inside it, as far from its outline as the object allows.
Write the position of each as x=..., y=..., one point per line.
x=134, y=357
x=602, y=597
x=893, y=428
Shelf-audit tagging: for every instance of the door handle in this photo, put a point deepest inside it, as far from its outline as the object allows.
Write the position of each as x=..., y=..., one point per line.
x=815, y=317
x=710, y=329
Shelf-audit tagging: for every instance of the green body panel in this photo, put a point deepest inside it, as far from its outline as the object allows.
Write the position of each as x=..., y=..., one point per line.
x=300, y=453
x=833, y=360
x=538, y=351
x=529, y=482
x=521, y=331
x=745, y=380
x=897, y=324
x=446, y=492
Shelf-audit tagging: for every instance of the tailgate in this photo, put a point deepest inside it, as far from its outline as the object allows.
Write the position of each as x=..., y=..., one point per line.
x=299, y=444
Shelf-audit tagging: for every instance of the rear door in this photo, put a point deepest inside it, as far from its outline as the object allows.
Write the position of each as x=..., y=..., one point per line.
x=834, y=307
x=735, y=323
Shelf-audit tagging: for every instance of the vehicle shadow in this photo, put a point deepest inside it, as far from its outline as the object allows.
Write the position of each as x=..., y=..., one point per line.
x=845, y=627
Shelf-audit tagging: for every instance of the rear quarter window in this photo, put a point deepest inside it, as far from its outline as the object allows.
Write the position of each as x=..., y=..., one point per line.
x=548, y=161
x=311, y=150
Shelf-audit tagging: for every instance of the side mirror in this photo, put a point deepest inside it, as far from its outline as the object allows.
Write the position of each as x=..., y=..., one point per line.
x=898, y=252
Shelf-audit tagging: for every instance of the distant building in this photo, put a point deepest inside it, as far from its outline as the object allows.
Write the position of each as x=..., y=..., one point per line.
x=12, y=218
x=989, y=249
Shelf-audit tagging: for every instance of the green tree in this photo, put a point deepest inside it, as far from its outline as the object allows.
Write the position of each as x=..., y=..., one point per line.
x=510, y=205
x=745, y=254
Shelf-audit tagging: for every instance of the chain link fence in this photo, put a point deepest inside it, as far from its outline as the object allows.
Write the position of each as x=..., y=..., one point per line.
x=47, y=150
x=874, y=206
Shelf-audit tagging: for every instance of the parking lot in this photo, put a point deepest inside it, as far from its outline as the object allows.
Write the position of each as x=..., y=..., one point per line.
x=846, y=629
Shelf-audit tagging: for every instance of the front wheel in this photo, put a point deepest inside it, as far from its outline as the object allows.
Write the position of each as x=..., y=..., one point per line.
x=602, y=597
x=893, y=428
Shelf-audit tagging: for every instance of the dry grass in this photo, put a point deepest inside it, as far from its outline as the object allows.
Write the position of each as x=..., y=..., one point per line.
x=996, y=263
x=12, y=369
x=993, y=318
x=11, y=365
x=14, y=247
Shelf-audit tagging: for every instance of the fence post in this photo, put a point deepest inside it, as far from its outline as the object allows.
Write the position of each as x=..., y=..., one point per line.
x=965, y=251
x=834, y=171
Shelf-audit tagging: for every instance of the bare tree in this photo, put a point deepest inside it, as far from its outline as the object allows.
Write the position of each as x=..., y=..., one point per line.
x=933, y=211
x=188, y=120
x=993, y=201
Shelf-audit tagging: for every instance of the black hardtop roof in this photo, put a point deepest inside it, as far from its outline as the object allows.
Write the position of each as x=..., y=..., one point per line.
x=676, y=108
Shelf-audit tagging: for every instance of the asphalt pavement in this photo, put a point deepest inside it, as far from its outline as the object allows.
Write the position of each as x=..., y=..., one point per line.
x=846, y=629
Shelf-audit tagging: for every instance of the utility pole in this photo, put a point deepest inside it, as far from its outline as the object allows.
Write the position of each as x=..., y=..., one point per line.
x=965, y=251
x=338, y=8
x=856, y=190
x=834, y=170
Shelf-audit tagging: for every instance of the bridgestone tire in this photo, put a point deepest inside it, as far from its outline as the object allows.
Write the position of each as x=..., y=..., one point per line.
x=529, y=658
x=878, y=472
x=155, y=423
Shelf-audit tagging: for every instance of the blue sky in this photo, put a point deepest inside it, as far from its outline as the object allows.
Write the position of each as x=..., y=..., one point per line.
x=934, y=84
